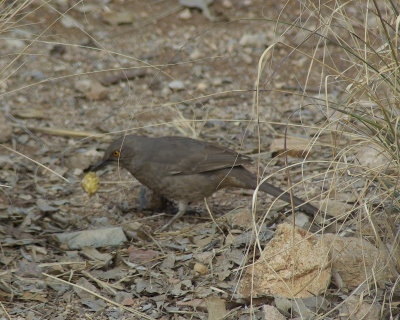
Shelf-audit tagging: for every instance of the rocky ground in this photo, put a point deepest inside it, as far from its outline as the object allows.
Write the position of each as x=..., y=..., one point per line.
x=77, y=74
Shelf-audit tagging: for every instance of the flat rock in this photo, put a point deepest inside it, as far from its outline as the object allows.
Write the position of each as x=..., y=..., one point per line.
x=294, y=264
x=96, y=238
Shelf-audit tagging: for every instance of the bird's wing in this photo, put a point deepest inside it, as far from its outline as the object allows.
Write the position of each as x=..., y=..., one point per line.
x=188, y=156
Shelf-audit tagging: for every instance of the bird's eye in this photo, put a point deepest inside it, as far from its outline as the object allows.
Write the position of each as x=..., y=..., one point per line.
x=115, y=153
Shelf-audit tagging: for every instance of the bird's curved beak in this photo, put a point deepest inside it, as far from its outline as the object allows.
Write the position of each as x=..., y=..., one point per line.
x=97, y=166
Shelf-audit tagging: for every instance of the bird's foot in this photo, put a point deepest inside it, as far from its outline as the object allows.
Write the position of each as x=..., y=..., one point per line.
x=181, y=211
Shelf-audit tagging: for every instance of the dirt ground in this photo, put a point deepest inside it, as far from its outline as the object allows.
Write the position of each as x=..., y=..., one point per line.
x=191, y=73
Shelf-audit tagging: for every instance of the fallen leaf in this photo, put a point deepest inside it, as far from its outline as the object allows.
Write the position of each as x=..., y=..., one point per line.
x=141, y=256
x=354, y=308
x=295, y=146
x=34, y=296
x=216, y=308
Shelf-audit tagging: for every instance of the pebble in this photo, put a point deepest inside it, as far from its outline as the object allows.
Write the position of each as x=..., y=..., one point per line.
x=200, y=268
x=185, y=14
x=202, y=86
x=165, y=91
x=37, y=75
x=77, y=172
x=93, y=90
x=82, y=159
x=176, y=85
x=247, y=58
x=196, y=54
x=14, y=43
x=254, y=40
x=69, y=22
x=227, y=4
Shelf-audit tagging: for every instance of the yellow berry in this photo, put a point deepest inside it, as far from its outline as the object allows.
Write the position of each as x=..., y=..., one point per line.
x=90, y=183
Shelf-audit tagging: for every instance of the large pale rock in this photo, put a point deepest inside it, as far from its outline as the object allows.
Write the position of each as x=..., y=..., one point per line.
x=291, y=265
x=354, y=260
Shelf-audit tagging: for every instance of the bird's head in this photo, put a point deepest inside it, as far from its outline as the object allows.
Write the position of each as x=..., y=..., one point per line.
x=119, y=151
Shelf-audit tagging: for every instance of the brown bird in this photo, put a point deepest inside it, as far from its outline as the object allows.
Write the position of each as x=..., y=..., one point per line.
x=187, y=170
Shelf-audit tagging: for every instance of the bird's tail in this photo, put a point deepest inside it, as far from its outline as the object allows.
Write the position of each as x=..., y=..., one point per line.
x=248, y=180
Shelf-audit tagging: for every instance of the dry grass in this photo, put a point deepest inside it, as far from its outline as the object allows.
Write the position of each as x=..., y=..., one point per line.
x=350, y=51
x=355, y=51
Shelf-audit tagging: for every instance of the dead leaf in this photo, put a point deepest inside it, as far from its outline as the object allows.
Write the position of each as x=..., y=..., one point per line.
x=216, y=308
x=83, y=282
x=355, y=308
x=34, y=296
x=29, y=269
x=141, y=256
x=92, y=253
x=169, y=261
x=295, y=146
x=95, y=305
x=272, y=313
x=44, y=206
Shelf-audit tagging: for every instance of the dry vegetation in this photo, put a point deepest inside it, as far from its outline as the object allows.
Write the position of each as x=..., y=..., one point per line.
x=309, y=90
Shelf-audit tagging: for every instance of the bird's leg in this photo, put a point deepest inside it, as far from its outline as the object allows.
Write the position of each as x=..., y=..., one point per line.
x=182, y=205
x=150, y=200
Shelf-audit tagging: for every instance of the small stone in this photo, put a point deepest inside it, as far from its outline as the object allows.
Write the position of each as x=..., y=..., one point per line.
x=272, y=313
x=77, y=172
x=23, y=139
x=196, y=54
x=117, y=18
x=176, y=85
x=246, y=58
x=69, y=22
x=165, y=91
x=253, y=40
x=202, y=86
x=58, y=50
x=25, y=196
x=216, y=81
x=82, y=158
x=97, y=238
x=45, y=207
x=227, y=4
x=200, y=268
x=185, y=14
x=93, y=90
x=37, y=75
x=14, y=43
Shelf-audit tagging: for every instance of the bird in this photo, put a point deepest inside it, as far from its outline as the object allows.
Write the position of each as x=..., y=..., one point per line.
x=187, y=170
